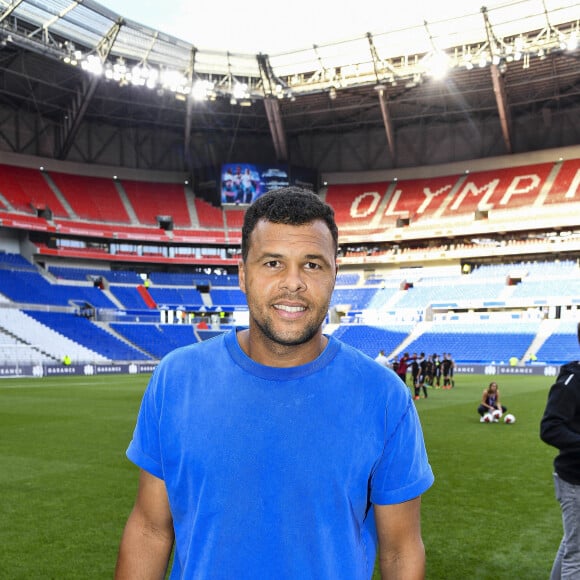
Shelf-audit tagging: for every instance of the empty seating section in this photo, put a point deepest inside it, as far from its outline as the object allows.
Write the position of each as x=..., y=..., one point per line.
x=172, y=279
x=15, y=352
x=129, y=297
x=234, y=218
x=150, y=200
x=123, y=277
x=44, y=340
x=31, y=288
x=224, y=280
x=141, y=335
x=448, y=294
x=26, y=190
x=566, y=185
x=561, y=346
x=181, y=279
x=343, y=279
x=98, y=210
x=228, y=297
x=381, y=297
x=80, y=274
x=176, y=297
x=91, y=198
x=356, y=298
x=541, y=290
x=11, y=261
x=97, y=204
x=479, y=342
x=84, y=332
x=157, y=339
x=371, y=339
x=208, y=215
x=84, y=274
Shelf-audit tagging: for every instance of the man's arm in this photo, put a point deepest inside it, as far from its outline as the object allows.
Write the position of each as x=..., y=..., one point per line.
x=148, y=537
x=563, y=401
x=401, y=550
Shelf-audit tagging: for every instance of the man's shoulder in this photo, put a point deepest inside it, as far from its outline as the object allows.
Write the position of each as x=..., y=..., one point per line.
x=570, y=374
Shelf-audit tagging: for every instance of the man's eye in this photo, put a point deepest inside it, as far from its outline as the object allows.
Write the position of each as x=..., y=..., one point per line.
x=312, y=266
x=272, y=264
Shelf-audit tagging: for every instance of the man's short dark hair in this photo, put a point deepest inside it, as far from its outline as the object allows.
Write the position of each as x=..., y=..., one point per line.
x=291, y=206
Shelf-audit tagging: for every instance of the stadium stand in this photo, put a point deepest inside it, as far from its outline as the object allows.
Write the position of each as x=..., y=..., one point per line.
x=378, y=302
x=157, y=339
x=234, y=218
x=91, y=198
x=32, y=288
x=484, y=342
x=499, y=189
x=151, y=200
x=89, y=335
x=371, y=339
x=44, y=344
x=565, y=186
x=562, y=345
x=26, y=190
x=208, y=215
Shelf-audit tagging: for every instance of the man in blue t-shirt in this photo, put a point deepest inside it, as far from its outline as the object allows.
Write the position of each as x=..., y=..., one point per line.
x=277, y=451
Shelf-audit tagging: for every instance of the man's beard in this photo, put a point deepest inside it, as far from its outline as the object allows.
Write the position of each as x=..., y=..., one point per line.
x=307, y=334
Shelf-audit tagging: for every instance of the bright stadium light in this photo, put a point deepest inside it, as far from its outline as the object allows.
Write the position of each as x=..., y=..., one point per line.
x=93, y=64
x=202, y=89
x=240, y=90
x=438, y=65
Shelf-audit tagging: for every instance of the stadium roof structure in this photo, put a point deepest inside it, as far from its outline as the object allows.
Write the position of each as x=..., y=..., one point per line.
x=512, y=84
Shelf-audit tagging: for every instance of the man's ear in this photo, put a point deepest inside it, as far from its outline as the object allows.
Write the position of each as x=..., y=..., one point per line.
x=241, y=276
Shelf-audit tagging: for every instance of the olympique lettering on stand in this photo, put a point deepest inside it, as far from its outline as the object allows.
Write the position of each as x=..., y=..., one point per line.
x=375, y=205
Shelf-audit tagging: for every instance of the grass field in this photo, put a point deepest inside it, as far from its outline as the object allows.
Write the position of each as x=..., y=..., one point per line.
x=66, y=487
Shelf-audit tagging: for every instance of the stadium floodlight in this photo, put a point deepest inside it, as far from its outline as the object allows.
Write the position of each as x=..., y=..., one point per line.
x=175, y=81
x=202, y=89
x=520, y=33
x=437, y=65
x=240, y=90
x=93, y=64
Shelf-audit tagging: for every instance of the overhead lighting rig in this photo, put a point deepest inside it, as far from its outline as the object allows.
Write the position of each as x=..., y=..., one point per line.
x=327, y=68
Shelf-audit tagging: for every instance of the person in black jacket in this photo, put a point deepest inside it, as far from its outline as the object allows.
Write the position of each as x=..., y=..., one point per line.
x=560, y=427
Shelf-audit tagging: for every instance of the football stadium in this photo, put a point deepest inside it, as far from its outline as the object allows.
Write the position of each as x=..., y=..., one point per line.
x=449, y=151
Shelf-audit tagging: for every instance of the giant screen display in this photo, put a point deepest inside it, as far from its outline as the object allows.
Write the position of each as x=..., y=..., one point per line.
x=243, y=183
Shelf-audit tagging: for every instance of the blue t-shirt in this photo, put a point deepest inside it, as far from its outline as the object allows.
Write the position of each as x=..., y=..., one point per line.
x=272, y=472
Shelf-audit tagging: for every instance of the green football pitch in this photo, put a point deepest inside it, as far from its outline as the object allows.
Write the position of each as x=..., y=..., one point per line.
x=67, y=488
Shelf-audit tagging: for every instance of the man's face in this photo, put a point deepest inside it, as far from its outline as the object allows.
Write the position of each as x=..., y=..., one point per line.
x=288, y=278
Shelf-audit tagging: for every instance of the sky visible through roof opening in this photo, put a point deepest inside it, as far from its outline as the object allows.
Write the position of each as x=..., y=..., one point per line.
x=255, y=26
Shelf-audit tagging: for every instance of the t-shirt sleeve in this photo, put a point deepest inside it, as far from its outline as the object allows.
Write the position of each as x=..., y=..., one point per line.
x=403, y=471
x=144, y=449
